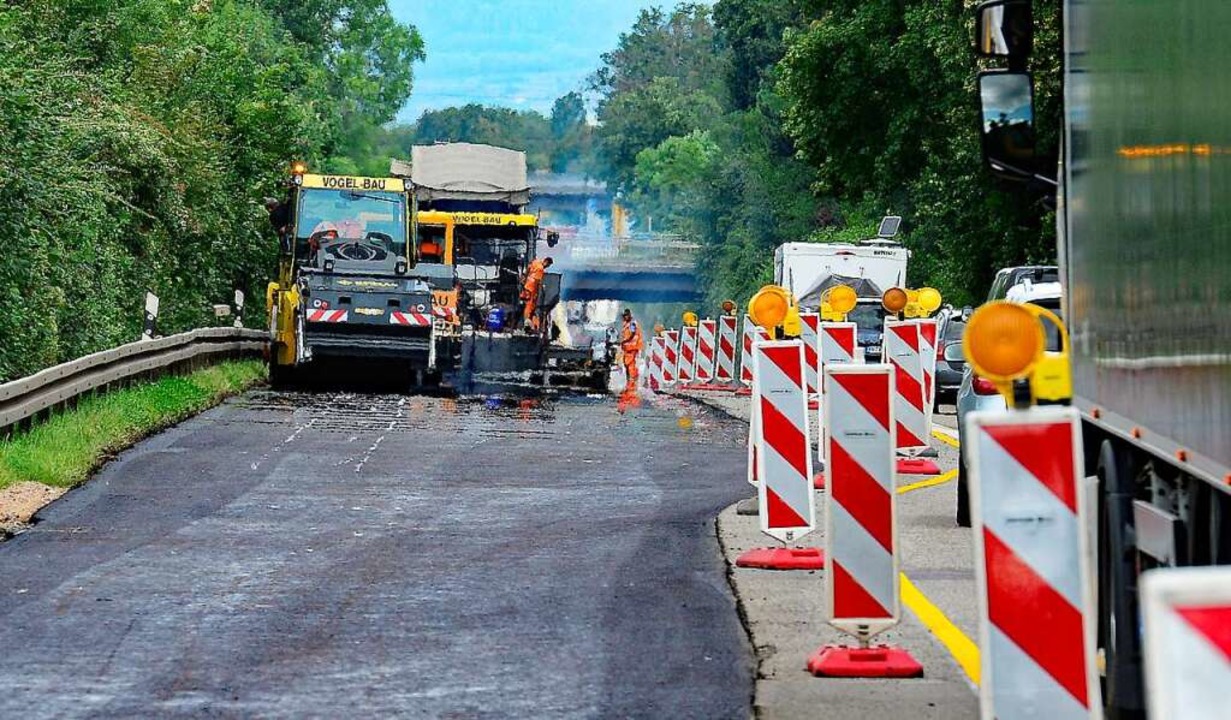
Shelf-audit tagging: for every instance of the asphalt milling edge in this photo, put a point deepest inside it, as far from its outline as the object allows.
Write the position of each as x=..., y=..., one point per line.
x=784, y=611
x=304, y=556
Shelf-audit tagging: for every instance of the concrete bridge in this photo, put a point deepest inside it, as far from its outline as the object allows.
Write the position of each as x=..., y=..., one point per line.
x=599, y=260
x=633, y=269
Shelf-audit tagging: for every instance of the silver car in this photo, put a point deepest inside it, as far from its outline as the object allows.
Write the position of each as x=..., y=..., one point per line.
x=976, y=393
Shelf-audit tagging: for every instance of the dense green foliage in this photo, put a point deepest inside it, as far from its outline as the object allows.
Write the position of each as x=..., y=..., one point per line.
x=692, y=135
x=882, y=101
x=757, y=122
x=65, y=449
x=139, y=137
x=561, y=143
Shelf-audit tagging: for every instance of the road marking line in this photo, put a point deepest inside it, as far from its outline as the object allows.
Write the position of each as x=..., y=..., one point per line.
x=946, y=436
x=930, y=482
x=962, y=648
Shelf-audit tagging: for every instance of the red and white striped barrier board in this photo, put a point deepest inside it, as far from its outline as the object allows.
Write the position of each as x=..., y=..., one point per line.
x=724, y=369
x=1036, y=611
x=860, y=523
x=707, y=336
x=901, y=350
x=927, y=355
x=839, y=344
x=1187, y=641
x=753, y=433
x=410, y=318
x=329, y=316
x=781, y=440
x=671, y=356
x=656, y=362
x=750, y=336
x=810, y=324
x=686, y=372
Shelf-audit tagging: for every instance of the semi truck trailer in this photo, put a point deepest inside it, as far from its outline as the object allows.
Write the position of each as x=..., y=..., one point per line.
x=1143, y=191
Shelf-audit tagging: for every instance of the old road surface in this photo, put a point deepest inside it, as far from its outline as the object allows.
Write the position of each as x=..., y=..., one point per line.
x=299, y=555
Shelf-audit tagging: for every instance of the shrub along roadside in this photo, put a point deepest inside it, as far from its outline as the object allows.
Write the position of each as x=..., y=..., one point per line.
x=66, y=449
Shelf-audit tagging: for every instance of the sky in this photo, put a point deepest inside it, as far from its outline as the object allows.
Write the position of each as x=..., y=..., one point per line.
x=521, y=54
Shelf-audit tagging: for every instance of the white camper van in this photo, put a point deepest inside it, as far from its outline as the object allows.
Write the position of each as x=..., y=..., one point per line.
x=800, y=267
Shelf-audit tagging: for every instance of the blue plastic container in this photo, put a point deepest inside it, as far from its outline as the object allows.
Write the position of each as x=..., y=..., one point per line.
x=495, y=319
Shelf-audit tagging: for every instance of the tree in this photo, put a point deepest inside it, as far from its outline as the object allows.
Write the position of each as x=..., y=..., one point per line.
x=140, y=137
x=752, y=32
x=568, y=113
x=880, y=100
x=369, y=54
x=664, y=78
x=524, y=130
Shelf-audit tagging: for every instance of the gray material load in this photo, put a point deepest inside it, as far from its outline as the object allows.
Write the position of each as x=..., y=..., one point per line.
x=1149, y=241
x=467, y=171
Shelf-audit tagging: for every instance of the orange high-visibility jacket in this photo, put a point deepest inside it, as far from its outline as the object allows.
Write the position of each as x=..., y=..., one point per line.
x=534, y=278
x=630, y=338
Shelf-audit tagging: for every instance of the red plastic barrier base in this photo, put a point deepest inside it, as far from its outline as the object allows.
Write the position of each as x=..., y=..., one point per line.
x=878, y=661
x=818, y=481
x=917, y=466
x=783, y=559
x=744, y=391
x=712, y=387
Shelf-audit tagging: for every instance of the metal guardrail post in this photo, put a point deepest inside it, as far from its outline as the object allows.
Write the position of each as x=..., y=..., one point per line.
x=239, y=308
x=151, y=316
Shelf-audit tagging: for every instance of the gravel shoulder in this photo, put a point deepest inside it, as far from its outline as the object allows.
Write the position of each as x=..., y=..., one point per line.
x=20, y=501
x=784, y=611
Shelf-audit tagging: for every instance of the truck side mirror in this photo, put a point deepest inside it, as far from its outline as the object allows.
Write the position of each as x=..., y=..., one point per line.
x=1004, y=28
x=1007, y=123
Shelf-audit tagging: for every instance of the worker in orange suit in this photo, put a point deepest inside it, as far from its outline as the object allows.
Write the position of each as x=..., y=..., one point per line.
x=630, y=345
x=530, y=291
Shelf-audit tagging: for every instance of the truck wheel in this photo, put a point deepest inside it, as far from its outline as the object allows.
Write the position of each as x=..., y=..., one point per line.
x=280, y=376
x=1118, y=633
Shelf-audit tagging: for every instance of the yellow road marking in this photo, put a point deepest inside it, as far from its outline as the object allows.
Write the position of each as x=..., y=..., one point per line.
x=945, y=438
x=962, y=648
x=930, y=482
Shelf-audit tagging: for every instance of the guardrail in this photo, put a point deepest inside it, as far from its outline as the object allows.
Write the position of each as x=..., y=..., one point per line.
x=26, y=397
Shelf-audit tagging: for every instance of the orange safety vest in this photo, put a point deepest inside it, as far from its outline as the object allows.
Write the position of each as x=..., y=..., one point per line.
x=534, y=278
x=630, y=340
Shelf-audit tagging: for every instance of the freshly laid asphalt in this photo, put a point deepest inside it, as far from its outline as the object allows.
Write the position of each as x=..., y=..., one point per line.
x=332, y=555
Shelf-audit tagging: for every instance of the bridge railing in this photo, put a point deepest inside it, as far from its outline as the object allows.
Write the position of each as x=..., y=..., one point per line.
x=659, y=251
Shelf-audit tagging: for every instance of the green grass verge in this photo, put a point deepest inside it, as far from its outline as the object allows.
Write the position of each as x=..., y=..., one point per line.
x=65, y=449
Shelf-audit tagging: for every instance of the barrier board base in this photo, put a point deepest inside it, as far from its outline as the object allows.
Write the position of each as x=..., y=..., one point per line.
x=711, y=387
x=818, y=481
x=917, y=466
x=878, y=661
x=782, y=559
x=744, y=391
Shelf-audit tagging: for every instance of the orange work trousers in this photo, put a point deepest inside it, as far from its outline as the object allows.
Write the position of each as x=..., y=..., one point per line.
x=532, y=304
x=630, y=367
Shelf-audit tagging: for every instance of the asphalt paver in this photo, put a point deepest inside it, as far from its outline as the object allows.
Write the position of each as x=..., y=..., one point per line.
x=335, y=555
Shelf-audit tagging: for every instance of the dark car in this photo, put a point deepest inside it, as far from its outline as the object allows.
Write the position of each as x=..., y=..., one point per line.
x=869, y=316
x=950, y=362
